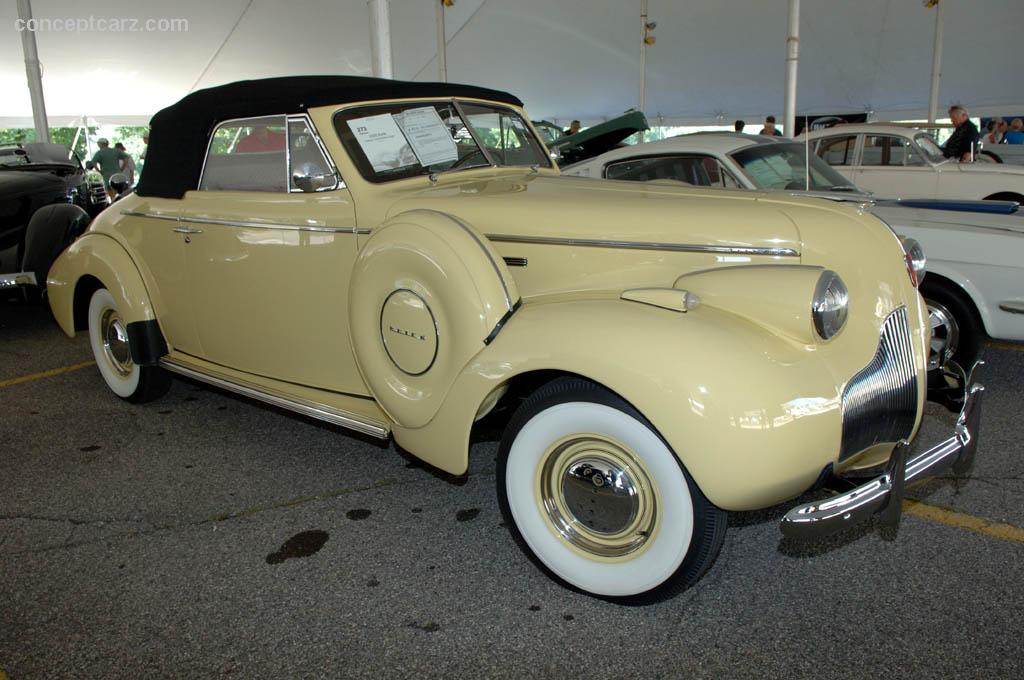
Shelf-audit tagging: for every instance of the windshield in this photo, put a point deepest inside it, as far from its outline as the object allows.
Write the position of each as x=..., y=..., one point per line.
x=781, y=166
x=396, y=141
x=928, y=146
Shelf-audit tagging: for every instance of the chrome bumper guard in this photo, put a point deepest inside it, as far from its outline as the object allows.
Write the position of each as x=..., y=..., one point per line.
x=882, y=497
x=16, y=280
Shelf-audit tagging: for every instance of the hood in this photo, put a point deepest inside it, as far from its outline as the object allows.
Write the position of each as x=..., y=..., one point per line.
x=20, y=182
x=583, y=208
x=899, y=215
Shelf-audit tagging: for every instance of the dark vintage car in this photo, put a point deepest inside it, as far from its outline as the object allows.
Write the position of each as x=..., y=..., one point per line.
x=46, y=200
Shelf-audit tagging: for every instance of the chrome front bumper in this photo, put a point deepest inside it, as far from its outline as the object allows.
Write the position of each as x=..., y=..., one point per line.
x=16, y=280
x=882, y=497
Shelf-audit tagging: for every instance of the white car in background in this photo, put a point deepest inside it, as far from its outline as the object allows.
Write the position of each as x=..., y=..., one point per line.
x=975, y=249
x=901, y=162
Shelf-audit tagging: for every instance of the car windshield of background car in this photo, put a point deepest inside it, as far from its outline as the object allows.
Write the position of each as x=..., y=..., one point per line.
x=781, y=166
x=930, y=149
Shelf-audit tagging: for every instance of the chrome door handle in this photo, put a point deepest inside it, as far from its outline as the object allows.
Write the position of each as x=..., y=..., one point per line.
x=188, y=230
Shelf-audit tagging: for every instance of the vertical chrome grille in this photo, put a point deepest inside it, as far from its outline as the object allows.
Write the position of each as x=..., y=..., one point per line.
x=880, y=402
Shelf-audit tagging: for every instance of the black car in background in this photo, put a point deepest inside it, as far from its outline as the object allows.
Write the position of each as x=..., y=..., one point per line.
x=47, y=199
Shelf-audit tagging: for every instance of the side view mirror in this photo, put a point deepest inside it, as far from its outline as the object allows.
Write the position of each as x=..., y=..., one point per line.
x=89, y=165
x=118, y=182
x=312, y=183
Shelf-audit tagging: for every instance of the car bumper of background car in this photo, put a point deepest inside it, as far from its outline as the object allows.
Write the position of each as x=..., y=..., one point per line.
x=16, y=280
x=882, y=497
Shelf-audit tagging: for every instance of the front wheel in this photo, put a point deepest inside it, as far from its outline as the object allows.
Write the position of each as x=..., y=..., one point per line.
x=956, y=330
x=108, y=335
x=599, y=500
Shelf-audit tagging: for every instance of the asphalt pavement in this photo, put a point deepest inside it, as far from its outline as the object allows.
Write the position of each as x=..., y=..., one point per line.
x=206, y=535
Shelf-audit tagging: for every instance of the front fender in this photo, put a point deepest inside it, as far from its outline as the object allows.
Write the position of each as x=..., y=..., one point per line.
x=103, y=258
x=753, y=416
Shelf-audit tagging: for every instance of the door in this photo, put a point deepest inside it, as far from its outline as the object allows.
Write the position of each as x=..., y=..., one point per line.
x=270, y=262
x=840, y=151
x=154, y=234
x=891, y=167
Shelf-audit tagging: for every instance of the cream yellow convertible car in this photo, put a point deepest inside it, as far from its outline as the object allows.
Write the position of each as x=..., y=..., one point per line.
x=400, y=258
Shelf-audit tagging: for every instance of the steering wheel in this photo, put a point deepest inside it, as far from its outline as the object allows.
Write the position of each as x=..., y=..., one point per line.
x=475, y=152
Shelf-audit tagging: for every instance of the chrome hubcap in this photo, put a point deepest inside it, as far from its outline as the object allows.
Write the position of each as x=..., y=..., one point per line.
x=597, y=496
x=115, y=342
x=945, y=335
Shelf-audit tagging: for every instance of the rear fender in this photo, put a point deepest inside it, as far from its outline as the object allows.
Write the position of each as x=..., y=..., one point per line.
x=99, y=256
x=753, y=417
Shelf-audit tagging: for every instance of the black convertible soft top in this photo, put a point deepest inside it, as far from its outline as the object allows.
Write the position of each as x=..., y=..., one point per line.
x=179, y=133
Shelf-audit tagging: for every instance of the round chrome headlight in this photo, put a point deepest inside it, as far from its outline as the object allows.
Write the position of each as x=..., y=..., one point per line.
x=913, y=254
x=830, y=306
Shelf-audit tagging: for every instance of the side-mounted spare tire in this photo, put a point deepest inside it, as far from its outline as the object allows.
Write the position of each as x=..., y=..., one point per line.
x=428, y=292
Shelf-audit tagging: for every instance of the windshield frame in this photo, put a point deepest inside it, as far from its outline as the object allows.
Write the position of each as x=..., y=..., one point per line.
x=356, y=155
x=817, y=166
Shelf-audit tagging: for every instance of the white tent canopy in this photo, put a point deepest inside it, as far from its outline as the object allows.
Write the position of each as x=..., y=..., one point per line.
x=714, y=60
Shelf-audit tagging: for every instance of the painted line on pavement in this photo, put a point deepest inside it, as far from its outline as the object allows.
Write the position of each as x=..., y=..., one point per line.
x=961, y=520
x=45, y=374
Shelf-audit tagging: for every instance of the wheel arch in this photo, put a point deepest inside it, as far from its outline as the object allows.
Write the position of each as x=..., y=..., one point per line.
x=1006, y=196
x=94, y=261
x=779, y=462
x=960, y=286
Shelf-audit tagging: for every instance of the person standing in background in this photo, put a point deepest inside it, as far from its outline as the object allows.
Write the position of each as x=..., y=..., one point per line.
x=128, y=167
x=1015, y=135
x=992, y=133
x=574, y=127
x=108, y=161
x=739, y=125
x=769, y=127
x=963, y=143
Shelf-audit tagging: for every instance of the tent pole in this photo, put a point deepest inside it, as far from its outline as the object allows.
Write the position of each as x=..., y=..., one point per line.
x=380, y=38
x=33, y=72
x=442, y=43
x=643, y=61
x=933, y=94
x=792, y=60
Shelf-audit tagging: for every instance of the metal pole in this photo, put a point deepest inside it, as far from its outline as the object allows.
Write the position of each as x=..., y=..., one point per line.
x=442, y=43
x=33, y=72
x=643, y=61
x=380, y=38
x=933, y=95
x=792, y=60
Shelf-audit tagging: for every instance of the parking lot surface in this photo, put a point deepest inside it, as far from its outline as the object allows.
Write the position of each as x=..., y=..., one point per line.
x=205, y=535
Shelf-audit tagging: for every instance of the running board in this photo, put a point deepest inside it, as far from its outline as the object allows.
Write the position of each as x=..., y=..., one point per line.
x=304, y=407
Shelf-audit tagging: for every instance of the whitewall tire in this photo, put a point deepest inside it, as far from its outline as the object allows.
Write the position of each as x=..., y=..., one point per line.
x=108, y=336
x=595, y=495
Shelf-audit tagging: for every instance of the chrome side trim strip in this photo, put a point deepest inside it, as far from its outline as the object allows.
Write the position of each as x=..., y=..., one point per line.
x=304, y=407
x=1012, y=307
x=646, y=245
x=268, y=225
x=151, y=215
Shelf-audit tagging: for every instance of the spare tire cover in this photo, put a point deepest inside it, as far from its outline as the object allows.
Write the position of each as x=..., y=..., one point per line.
x=427, y=291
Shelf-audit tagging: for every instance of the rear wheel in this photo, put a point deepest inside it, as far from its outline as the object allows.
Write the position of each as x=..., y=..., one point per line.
x=599, y=500
x=108, y=335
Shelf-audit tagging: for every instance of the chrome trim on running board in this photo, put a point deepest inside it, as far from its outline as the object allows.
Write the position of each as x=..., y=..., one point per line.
x=275, y=398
